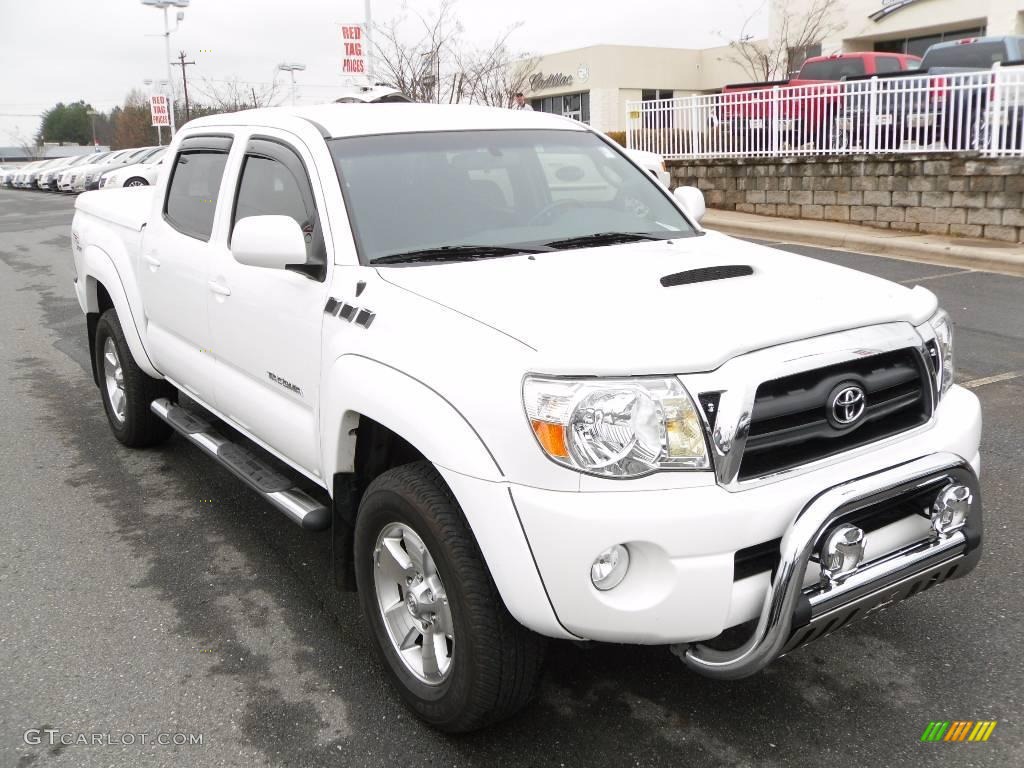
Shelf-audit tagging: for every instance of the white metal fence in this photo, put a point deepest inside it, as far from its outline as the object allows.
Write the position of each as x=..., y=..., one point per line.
x=961, y=112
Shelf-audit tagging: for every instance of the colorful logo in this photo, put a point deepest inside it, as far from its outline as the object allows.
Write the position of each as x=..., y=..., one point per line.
x=959, y=730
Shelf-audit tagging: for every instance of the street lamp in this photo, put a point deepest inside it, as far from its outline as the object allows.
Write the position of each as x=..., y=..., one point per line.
x=92, y=113
x=164, y=5
x=292, y=68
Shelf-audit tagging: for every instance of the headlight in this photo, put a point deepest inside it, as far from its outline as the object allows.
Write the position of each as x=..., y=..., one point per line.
x=616, y=427
x=942, y=353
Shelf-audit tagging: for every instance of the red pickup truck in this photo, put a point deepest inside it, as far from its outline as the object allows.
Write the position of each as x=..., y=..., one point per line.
x=806, y=105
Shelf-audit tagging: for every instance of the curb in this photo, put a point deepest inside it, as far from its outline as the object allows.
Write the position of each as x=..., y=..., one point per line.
x=906, y=247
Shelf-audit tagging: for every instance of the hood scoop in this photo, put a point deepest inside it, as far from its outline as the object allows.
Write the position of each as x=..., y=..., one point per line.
x=706, y=274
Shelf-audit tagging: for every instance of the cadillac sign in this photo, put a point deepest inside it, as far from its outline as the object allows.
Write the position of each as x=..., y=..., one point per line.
x=540, y=82
x=890, y=7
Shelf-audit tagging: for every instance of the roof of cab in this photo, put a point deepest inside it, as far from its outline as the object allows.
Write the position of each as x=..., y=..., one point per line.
x=339, y=120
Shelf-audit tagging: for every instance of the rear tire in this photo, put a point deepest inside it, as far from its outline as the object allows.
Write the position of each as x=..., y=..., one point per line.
x=485, y=666
x=126, y=389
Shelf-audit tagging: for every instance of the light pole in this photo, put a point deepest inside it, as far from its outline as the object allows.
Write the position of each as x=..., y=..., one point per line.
x=164, y=5
x=292, y=68
x=92, y=114
x=369, y=44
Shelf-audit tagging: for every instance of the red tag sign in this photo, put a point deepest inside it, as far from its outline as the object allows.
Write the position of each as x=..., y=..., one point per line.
x=159, y=111
x=354, y=46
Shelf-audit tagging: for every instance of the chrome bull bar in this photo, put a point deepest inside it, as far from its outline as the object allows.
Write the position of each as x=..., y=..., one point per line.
x=792, y=615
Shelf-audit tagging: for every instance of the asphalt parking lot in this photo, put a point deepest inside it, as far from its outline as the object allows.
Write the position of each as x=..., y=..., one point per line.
x=150, y=592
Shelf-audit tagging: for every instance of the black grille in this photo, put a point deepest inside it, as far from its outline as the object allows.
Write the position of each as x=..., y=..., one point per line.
x=706, y=274
x=790, y=424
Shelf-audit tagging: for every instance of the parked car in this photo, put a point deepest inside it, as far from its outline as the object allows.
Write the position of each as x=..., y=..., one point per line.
x=47, y=179
x=962, y=83
x=19, y=173
x=139, y=174
x=66, y=180
x=26, y=179
x=87, y=177
x=495, y=387
x=128, y=157
x=806, y=106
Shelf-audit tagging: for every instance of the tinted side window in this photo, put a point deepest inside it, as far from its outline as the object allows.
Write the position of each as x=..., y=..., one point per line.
x=887, y=64
x=192, y=192
x=274, y=182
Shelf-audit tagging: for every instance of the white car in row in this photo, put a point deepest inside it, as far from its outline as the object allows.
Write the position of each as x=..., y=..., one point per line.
x=47, y=178
x=142, y=174
x=66, y=181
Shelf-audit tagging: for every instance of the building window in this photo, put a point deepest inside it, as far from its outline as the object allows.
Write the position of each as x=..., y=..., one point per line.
x=795, y=57
x=916, y=46
x=652, y=94
x=574, y=105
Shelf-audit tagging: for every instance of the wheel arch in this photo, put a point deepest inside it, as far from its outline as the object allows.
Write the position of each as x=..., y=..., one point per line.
x=104, y=289
x=359, y=392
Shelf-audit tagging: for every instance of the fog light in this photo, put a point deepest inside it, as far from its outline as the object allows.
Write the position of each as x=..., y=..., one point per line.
x=841, y=553
x=949, y=512
x=609, y=568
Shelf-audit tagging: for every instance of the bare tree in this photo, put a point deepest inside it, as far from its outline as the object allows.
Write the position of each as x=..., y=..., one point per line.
x=794, y=34
x=30, y=147
x=497, y=74
x=425, y=57
x=233, y=95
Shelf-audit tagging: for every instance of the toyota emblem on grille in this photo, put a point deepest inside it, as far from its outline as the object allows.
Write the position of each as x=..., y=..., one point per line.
x=846, y=405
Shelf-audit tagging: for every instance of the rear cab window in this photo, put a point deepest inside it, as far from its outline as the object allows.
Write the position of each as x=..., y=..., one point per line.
x=832, y=69
x=194, y=185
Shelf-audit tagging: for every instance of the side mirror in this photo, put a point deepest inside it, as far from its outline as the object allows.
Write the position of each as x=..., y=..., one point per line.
x=274, y=242
x=692, y=201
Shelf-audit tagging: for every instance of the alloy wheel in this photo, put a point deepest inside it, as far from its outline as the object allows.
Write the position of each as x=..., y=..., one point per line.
x=413, y=604
x=113, y=377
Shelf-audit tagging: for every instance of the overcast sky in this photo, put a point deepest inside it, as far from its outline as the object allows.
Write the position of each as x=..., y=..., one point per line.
x=97, y=50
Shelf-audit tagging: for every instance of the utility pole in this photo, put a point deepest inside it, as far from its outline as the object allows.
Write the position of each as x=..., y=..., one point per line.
x=184, y=80
x=254, y=104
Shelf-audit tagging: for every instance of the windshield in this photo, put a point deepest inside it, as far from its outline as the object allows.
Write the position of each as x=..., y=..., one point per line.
x=156, y=156
x=832, y=69
x=972, y=55
x=507, y=189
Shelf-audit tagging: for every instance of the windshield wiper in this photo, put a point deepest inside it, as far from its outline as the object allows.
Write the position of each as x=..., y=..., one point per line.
x=605, y=238
x=455, y=253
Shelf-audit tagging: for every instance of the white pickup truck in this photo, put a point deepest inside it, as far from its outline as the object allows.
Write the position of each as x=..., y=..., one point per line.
x=528, y=395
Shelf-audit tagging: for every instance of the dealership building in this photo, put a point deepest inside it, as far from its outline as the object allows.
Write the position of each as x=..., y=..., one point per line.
x=909, y=26
x=594, y=84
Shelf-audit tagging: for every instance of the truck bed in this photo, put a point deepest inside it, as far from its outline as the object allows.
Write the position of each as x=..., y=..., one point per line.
x=127, y=207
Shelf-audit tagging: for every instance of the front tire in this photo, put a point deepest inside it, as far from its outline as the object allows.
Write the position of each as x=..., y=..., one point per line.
x=458, y=658
x=126, y=389
x=135, y=181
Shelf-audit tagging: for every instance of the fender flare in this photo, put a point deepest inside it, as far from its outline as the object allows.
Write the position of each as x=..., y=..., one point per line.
x=355, y=385
x=99, y=268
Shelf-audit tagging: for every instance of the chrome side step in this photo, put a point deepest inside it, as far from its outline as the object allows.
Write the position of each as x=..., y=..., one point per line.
x=245, y=464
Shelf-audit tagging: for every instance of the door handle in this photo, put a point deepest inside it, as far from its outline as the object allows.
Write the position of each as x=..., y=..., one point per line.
x=219, y=289
x=152, y=260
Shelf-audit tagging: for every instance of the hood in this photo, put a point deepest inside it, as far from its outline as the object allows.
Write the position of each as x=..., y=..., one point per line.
x=604, y=311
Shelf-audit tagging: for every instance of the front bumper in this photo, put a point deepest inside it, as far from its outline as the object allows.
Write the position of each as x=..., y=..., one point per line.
x=794, y=614
x=683, y=583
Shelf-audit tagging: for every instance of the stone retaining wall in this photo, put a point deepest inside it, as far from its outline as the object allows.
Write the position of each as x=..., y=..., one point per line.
x=943, y=194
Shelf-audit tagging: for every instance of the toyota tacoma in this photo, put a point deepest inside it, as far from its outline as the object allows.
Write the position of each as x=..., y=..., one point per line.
x=526, y=394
